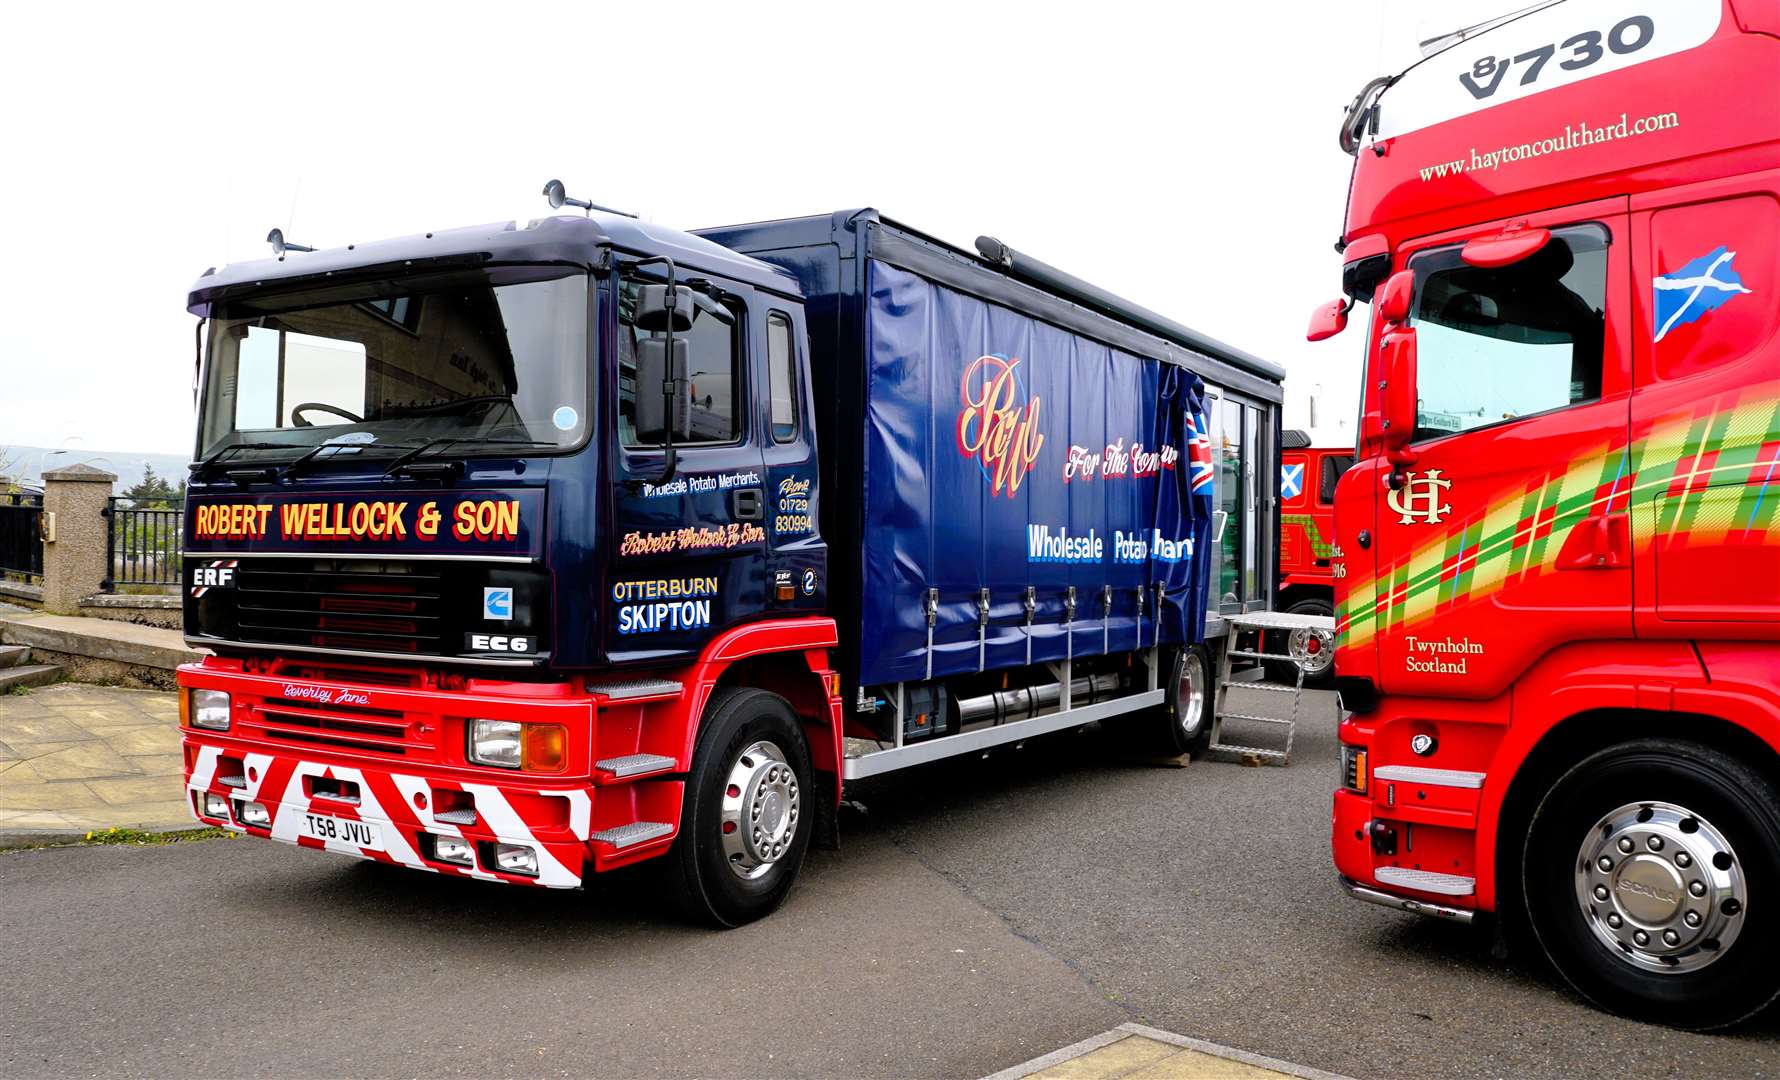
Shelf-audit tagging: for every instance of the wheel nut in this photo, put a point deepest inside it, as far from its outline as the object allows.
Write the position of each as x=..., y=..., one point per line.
x=1625, y=844
x=1692, y=918
x=1683, y=859
x=1670, y=937
x=1640, y=937
x=1600, y=892
x=1655, y=843
x=1615, y=921
x=1697, y=888
x=1604, y=863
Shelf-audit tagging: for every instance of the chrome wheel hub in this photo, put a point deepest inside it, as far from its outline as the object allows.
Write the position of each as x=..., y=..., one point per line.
x=1192, y=693
x=1660, y=887
x=758, y=816
x=1312, y=650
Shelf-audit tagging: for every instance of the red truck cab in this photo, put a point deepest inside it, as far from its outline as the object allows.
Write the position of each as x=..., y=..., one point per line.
x=1557, y=563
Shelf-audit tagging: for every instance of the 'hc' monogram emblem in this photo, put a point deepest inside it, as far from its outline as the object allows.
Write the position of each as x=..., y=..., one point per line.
x=1419, y=498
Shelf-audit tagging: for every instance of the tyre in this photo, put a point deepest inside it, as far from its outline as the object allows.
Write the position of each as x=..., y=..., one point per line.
x=1183, y=724
x=1313, y=650
x=746, y=818
x=1651, y=878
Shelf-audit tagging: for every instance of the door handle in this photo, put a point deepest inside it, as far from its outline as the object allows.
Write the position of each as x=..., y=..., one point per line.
x=747, y=504
x=1600, y=542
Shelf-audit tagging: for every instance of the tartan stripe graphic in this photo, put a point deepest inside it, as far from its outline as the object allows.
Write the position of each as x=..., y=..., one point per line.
x=1696, y=477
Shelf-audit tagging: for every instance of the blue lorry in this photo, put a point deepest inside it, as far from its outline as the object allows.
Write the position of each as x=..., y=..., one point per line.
x=526, y=552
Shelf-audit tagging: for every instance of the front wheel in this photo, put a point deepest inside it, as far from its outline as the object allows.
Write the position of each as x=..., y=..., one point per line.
x=746, y=816
x=1652, y=880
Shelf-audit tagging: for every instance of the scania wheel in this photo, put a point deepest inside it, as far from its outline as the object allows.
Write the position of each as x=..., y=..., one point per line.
x=1652, y=880
x=746, y=816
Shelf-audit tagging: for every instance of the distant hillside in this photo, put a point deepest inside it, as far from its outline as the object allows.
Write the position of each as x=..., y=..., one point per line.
x=27, y=464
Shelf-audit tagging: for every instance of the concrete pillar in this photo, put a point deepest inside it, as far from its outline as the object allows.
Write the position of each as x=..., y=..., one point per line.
x=74, y=562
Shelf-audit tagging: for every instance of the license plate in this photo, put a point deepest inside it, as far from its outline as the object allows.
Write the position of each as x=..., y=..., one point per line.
x=359, y=834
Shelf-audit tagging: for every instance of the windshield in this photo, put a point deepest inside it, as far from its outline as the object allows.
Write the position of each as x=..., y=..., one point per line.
x=455, y=359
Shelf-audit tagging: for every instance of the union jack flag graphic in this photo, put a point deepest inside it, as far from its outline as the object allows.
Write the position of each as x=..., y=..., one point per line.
x=1199, y=452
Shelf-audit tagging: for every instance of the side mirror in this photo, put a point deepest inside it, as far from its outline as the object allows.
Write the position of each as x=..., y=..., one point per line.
x=1397, y=353
x=655, y=371
x=1328, y=319
x=657, y=308
x=1394, y=299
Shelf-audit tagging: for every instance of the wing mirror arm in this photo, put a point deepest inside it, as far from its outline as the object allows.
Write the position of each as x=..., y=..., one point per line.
x=669, y=387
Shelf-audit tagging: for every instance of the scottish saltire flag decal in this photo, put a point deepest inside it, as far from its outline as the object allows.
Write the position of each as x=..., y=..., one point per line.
x=1690, y=292
x=1291, y=480
x=1199, y=451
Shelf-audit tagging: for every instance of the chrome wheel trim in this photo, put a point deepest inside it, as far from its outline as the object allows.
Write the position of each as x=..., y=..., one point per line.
x=1660, y=887
x=757, y=818
x=1192, y=693
x=1311, y=663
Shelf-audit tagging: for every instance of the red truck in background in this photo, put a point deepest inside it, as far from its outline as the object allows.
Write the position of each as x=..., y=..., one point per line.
x=1557, y=561
x=1307, y=477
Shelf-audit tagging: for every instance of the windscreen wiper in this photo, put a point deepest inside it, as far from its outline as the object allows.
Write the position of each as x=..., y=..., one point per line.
x=296, y=464
x=198, y=469
x=408, y=458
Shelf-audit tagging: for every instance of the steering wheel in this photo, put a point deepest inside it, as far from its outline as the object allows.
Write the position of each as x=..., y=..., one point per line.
x=296, y=413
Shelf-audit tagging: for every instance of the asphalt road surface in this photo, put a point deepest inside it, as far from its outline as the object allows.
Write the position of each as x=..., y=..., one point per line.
x=978, y=915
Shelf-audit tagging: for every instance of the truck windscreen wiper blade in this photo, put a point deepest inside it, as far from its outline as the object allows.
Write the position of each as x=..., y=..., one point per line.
x=234, y=448
x=431, y=444
x=296, y=464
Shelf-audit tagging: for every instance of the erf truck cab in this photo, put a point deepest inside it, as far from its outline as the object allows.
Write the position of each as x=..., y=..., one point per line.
x=528, y=552
x=1559, y=587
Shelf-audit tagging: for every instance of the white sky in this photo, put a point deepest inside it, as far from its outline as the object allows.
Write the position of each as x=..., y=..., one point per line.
x=1181, y=155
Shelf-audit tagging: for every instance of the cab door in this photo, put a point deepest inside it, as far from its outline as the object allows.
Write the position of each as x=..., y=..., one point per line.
x=687, y=553
x=1507, y=536
x=797, y=561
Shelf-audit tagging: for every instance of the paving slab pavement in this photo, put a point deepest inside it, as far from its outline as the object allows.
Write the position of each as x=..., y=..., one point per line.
x=1140, y=1052
x=75, y=758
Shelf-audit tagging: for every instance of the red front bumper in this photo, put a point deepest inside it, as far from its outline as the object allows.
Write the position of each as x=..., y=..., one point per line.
x=307, y=752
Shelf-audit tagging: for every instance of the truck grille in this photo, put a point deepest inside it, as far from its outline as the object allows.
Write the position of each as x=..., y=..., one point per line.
x=386, y=607
x=382, y=731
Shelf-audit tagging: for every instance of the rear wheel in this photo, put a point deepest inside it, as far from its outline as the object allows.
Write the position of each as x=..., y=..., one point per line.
x=746, y=817
x=1183, y=724
x=1652, y=881
x=1312, y=651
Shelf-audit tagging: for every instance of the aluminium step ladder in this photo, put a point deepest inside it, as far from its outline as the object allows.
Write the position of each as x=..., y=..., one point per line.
x=1245, y=637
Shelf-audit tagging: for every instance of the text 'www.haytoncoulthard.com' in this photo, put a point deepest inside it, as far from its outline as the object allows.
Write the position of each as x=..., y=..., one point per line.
x=1575, y=137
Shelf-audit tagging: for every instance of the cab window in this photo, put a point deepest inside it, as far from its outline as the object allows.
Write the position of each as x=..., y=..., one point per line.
x=713, y=373
x=1332, y=468
x=1497, y=344
x=781, y=360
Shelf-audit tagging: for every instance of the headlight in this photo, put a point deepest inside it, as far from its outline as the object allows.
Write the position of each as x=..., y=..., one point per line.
x=495, y=742
x=210, y=709
x=509, y=744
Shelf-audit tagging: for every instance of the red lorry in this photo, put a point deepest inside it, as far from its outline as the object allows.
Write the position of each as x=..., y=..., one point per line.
x=1307, y=478
x=1557, y=564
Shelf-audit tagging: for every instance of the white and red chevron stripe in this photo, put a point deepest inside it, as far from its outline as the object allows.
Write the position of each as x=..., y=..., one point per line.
x=400, y=804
